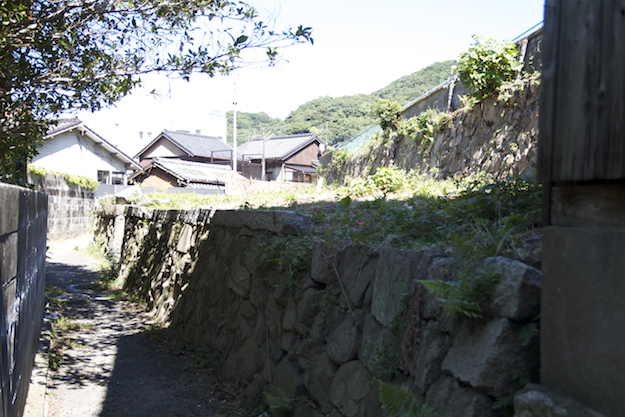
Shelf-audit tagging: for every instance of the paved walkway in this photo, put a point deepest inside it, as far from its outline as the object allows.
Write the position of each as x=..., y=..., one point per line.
x=111, y=369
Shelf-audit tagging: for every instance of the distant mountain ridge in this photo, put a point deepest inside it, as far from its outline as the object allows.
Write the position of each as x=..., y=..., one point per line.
x=337, y=119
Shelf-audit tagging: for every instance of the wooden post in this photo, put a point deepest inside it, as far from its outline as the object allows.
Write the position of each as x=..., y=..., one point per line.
x=581, y=158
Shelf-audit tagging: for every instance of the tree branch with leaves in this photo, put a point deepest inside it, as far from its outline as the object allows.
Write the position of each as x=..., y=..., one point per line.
x=59, y=55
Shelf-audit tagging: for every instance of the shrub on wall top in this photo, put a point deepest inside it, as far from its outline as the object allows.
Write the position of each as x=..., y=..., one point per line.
x=486, y=65
x=79, y=180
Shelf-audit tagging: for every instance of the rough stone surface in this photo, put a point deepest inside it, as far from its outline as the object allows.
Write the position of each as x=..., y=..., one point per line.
x=517, y=296
x=498, y=138
x=350, y=387
x=538, y=401
x=396, y=270
x=287, y=222
x=447, y=398
x=356, y=269
x=344, y=341
x=320, y=381
x=288, y=379
x=428, y=356
x=490, y=357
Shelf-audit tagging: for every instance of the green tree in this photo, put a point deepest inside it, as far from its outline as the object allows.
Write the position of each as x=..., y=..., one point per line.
x=58, y=55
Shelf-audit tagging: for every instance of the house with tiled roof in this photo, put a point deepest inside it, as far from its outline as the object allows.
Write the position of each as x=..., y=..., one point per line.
x=162, y=173
x=73, y=148
x=285, y=158
x=186, y=146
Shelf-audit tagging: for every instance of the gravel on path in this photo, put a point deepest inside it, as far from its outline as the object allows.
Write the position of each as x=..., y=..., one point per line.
x=109, y=367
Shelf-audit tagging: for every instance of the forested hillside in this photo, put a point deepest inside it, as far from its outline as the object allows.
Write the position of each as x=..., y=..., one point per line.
x=337, y=119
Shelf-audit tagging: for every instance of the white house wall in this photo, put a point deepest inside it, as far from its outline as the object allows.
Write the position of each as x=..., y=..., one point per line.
x=73, y=153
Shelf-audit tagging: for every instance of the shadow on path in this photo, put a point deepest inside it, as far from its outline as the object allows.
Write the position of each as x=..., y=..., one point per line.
x=109, y=368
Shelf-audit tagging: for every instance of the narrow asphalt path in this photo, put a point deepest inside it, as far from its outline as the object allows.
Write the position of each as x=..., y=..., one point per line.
x=109, y=367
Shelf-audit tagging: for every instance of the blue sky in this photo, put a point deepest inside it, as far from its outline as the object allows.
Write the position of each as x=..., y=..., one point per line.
x=360, y=47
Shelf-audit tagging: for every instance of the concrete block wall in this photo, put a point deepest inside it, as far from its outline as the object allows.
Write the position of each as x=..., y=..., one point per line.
x=70, y=207
x=23, y=224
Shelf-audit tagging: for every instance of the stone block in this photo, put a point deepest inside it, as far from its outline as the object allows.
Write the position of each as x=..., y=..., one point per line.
x=184, y=239
x=240, y=280
x=538, y=401
x=439, y=270
x=344, y=341
x=276, y=221
x=10, y=208
x=434, y=344
x=308, y=306
x=8, y=257
x=246, y=361
x=490, y=357
x=448, y=398
x=517, y=296
x=290, y=314
x=321, y=264
x=396, y=272
x=356, y=268
x=370, y=339
x=320, y=381
x=287, y=340
x=288, y=379
x=350, y=389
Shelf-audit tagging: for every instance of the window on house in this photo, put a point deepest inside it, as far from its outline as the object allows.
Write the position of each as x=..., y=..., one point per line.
x=103, y=177
x=117, y=178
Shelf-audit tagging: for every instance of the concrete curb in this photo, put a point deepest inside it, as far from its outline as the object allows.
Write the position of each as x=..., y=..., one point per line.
x=37, y=401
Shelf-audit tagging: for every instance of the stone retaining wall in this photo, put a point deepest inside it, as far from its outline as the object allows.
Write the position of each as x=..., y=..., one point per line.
x=70, y=207
x=497, y=137
x=23, y=214
x=354, y=316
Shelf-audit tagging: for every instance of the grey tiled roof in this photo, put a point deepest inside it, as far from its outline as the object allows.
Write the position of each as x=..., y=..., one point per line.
x=196, y=171
x=199, y=145
x=277, y=147
x=63, y=124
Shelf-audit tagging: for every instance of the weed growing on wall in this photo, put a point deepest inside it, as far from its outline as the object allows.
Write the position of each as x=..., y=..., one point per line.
x=79, y=180
x=400, y=402
x=469, y=295
x=283, y=259
x=422, y=127
x=281, y=404
x=486, y=65
x=387, y=113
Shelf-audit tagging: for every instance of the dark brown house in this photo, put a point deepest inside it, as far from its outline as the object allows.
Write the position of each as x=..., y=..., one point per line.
x=287, y=158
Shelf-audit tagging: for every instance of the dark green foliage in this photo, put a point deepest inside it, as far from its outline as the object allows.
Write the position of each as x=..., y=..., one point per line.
x=423, y=126
x=384, y=359
x=333, y=119
x=387, y=113
x=254, y=124
x=400, y=402
x=282, y=259
x=469, y=295
x=487, y=65
x=337, y=119
x=409, y=88
x=281, y=404
x=484, y=220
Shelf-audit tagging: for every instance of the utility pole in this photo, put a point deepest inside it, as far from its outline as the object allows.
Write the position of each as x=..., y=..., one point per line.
x=263, y=160
x=234, y=130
